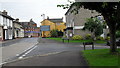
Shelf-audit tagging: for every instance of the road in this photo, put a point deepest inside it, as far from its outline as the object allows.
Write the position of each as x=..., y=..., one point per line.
x=47, y=50
x=11, y=49
x=46, y=46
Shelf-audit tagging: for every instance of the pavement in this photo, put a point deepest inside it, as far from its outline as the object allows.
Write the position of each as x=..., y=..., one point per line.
x=10, y=42
x=14, y=48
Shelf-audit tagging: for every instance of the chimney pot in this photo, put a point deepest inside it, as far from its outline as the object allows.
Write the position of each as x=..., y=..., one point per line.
x=4, y=12
x=17, y=20
x=47, y=17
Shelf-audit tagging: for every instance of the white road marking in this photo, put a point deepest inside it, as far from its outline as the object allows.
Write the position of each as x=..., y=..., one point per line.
x=2, y=63
x=27, y=52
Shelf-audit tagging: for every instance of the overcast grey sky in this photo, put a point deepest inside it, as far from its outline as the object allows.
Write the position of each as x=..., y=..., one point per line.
x=27, y=9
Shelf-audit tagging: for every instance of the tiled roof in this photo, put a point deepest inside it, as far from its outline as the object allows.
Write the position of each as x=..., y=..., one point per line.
x=7, y=16
x=69, y=9
x=56, y=20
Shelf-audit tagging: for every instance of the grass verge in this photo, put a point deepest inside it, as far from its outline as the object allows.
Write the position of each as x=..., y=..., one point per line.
x=79, y=41
x=101, y=57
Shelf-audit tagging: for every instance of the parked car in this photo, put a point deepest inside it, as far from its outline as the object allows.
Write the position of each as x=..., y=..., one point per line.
x=117, y=42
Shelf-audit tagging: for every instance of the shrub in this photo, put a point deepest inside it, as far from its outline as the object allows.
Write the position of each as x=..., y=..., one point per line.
x=64, y=36
x=60, y=33
x=100, y=38
x=54, y=33
x=88, y=36
x=117, y=34
x=77, y=37
x=107, y=38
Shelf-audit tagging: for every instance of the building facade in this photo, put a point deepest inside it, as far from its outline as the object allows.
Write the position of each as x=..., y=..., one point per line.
x=30, y=29
x=55, y=24
x=75, y=22
x=18, y=29
x=6, y=26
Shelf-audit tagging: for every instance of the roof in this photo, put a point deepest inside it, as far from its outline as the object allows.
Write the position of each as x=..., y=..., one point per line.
x=0, y=12
x=26, y=24
x=17, y=23
x=31, y=21
x=7, y=16
x=56, y=20
x=69, y=9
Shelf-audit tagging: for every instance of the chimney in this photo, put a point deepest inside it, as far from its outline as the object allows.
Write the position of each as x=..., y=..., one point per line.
x=31, y=20
x=17, y=20
x=47, y=17
x=4, y=12
x=62, y=18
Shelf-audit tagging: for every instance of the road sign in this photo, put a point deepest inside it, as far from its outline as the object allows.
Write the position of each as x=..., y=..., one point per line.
x=45, y=28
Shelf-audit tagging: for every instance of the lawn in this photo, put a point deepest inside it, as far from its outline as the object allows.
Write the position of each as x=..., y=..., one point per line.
x=100, y=57
x=78, y=41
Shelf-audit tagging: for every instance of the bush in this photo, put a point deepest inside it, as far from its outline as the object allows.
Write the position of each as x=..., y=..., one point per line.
x=107, y=38
x=64, y=36
x=117, y=34
x=54, y=33
x=77, y=37
x=60, y=33
x=100, y=38
x=88, y=36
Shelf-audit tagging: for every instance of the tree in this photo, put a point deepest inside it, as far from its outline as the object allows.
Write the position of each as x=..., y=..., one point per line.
x=94, y=25
x=109, y=10
x=56, y=33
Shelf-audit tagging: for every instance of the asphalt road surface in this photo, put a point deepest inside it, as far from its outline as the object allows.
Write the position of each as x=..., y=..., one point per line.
x=53, y=53
x=11, y=49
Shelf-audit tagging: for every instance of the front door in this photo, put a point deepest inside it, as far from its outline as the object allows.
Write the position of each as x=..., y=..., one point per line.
x=3, y=34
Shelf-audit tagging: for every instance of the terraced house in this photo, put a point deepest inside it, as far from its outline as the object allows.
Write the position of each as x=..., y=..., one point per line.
x=30, y=29
x=54, y=23
x=18, y=29
x=6, y=26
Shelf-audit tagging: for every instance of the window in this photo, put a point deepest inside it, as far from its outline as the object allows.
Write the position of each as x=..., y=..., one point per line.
x=0, y=33
x=57, y=23
x=11, y=23
x=3, y=20
x=8, y=22
x=0, y=20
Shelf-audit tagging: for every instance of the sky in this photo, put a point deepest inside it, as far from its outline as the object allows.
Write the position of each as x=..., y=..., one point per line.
x=33, y=9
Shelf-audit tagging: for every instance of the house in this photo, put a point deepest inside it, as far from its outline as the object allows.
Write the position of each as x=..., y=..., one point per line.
x=6, y=26
x=18, y=29
x=75, y=22
x=54, y=23
x=30, y=29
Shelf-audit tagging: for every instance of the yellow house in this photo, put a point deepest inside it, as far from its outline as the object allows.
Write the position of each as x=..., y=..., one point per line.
x=56, y=23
